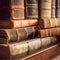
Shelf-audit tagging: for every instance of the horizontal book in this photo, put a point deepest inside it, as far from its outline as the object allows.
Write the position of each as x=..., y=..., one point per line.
x=17, y=23
x=22, y=49
x=11, y=3
x=48, y=32
x=8, y=14
x=15, y=35
x=49, y=22
x=32, y=11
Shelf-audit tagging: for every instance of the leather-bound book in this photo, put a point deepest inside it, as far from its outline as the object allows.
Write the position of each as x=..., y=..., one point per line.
x=13, y=51
x=18, y=23
x=49, y=22
x=45, y=9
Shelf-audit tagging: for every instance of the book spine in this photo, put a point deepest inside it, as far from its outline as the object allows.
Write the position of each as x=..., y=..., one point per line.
x=31, y=7
x=45, y=9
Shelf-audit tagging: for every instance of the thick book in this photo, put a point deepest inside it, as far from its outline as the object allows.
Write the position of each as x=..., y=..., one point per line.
x=13, y=51
x=17, y=23
x=45, y=9
x=16, y=35
x=22, y=49
x=53, y=8
x=49, y=32
x=49, y=22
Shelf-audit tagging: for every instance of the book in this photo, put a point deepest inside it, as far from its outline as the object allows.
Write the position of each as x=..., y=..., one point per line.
x=45, y=9
x=16, y=35
x=14, y=9
x=48, y=32
x=49, y=22
x=17, y=23
x=13, y=50
x=53, y=13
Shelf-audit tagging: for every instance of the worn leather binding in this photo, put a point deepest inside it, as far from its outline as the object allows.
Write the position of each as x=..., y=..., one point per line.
x=45, y=9
x=49, y=22
x=49, y=32
x=13, y=51
x=15, y=35
x=32, y=11
x=18, y=23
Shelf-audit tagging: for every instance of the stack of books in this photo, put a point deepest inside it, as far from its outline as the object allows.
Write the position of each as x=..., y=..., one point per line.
x=27, y=26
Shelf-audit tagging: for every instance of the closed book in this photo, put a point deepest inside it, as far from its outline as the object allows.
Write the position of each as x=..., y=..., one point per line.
x=16, y=35
x=11, y=3
x=49, y=32
x=32, y=11
x=45, y=9
x=18, y=23
x=8, y=14
x=49, y=22
x=13, y=51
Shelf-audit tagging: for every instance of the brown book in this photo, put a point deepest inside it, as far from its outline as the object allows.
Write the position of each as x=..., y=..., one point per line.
x=13, y=50
x=16, y=35
x=45, y=9
x=49, y=22
x=18, y=23
x=48, y=32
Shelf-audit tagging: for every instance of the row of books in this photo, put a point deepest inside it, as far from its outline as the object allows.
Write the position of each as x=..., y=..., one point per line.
x=27, y=9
